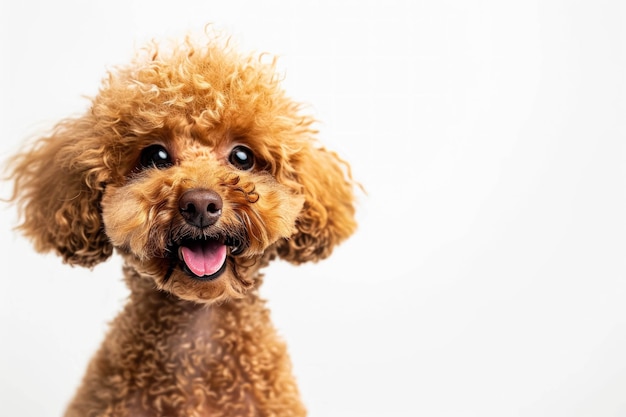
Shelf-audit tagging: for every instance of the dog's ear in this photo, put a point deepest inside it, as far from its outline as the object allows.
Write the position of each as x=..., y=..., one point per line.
x=58, y=185
x=327, y=217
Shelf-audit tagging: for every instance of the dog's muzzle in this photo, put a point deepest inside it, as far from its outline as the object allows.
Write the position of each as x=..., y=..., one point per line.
x=204, y=256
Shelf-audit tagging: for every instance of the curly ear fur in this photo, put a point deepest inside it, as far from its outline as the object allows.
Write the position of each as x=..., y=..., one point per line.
x=327, y=217
x=58, y=186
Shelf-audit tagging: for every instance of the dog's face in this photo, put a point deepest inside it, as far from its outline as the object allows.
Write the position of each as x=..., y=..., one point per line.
x=195, y=213
x=196, y=167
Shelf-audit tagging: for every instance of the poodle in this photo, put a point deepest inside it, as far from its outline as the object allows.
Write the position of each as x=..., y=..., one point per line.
x=194, y=166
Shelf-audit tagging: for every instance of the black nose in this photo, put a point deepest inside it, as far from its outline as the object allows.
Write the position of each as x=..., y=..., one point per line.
x=200, y=207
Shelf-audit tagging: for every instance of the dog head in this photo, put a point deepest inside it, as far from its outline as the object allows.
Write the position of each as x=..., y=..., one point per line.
x=195, y=166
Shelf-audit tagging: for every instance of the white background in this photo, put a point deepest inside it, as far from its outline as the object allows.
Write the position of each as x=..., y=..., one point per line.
x=488, y=276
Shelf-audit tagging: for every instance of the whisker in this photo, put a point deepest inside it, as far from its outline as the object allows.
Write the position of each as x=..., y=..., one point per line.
x=170, y=270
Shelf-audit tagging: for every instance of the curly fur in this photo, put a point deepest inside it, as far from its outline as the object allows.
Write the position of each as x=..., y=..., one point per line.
x=184, y=345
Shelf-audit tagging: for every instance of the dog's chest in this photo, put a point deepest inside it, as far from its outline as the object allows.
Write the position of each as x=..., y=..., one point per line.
x=197, y=365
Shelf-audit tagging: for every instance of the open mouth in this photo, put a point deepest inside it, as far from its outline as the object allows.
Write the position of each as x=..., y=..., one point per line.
x=205, y=258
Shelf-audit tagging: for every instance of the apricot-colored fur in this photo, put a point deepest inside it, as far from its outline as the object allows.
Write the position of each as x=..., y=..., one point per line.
x=184, y=344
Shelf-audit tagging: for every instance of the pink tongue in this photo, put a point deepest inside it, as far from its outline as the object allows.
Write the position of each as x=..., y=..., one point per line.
x=204, y=258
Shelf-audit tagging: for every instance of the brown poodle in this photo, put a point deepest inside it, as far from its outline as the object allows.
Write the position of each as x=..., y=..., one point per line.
x=197, y=169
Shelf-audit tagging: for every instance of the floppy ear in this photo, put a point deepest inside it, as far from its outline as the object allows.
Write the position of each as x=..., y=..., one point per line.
x=58, y=185
x=327, y=217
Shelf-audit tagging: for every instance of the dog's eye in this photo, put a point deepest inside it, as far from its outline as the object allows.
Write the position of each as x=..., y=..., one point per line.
x=242, y=158
x=155, y=156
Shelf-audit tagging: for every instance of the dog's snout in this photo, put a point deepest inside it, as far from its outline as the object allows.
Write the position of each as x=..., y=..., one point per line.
x=200, y=207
